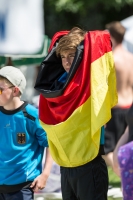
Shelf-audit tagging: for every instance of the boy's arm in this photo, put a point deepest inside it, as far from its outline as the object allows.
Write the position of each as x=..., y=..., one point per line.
x=123, y=140
x=40, y=182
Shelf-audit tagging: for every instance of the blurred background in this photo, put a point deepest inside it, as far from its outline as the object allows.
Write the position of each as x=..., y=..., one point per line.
x=88, y=14
x=26, y=29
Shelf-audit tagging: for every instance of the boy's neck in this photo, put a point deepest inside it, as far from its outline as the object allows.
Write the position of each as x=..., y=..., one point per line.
x=16, y=103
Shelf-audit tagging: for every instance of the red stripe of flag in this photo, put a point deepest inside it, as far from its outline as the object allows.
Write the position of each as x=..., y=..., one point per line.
x=55, y=110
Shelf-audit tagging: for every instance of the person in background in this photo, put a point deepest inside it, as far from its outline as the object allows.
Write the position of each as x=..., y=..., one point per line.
x=124, y=76
x=22, y=141
x=123, y=158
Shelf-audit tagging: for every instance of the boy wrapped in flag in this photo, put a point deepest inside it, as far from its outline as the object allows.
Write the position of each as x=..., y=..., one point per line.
x=78, y=89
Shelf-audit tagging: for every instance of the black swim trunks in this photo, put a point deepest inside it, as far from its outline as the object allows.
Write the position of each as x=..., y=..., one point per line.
x=115, y=128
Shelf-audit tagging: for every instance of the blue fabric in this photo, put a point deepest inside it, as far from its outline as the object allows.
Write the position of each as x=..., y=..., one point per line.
x=21, y=162
x=102, y=135
x=63, y=77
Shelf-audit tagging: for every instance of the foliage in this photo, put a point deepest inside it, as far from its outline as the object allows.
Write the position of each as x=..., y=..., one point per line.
x=77, y=6
x=87, y=14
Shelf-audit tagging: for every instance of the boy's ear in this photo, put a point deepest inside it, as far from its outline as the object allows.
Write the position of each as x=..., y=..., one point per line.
x=16, y=91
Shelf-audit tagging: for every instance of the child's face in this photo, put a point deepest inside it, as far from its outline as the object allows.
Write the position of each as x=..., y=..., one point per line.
x=6, y=91
x=67, y=58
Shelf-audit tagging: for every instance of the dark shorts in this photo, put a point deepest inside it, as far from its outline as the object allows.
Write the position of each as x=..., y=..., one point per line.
x=115, y=128
x=86, y=182
x=24, y=194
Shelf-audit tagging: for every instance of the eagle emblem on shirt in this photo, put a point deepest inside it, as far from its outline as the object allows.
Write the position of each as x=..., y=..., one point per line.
x=21, y=138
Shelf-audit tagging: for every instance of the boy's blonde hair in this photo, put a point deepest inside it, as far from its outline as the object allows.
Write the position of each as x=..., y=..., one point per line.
x=71, y=40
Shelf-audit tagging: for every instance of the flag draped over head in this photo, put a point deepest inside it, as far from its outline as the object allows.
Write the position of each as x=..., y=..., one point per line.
x=72, y=113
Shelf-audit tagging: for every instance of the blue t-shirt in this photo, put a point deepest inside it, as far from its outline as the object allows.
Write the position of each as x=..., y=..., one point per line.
x=22, y=145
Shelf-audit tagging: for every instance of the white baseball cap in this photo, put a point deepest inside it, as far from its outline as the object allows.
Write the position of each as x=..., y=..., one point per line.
x=15, y=76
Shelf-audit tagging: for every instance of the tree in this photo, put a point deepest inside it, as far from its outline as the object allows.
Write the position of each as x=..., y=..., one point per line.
x=88, y=14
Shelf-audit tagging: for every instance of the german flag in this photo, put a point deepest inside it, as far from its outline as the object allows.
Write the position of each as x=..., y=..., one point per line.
x=72, y=113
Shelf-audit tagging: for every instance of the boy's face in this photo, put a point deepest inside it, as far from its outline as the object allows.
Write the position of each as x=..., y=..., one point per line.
x=67, y=58
x=6, y=91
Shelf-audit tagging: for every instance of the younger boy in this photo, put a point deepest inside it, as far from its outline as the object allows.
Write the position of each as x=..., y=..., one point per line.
x=22, y=141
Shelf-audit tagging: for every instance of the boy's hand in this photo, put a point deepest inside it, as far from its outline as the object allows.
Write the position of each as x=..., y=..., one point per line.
x=116, y=167
x=39, y=183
